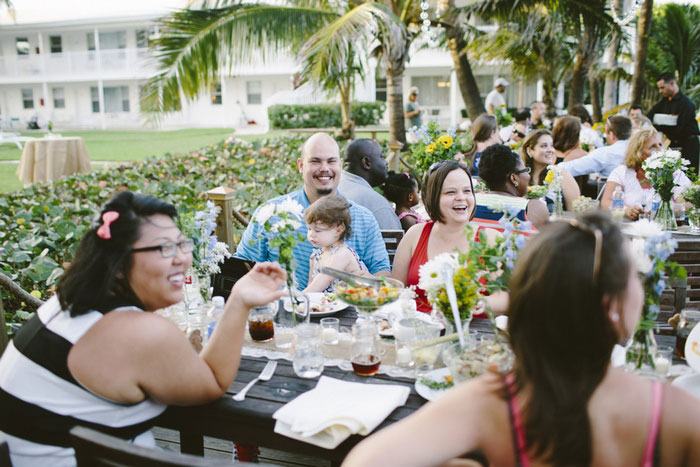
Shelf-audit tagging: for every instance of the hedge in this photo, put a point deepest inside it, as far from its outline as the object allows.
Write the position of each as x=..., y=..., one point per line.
x=284, y=116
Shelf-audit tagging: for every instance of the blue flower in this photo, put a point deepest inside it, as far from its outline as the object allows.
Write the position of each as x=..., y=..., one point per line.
x=653, y=311
x=452, y=131
x=510, y=254
x=520, y=241
x=527, y=225
x=509, y=264
x=659, y=287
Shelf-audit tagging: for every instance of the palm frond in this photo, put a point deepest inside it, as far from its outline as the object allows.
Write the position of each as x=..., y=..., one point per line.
x=194, y=45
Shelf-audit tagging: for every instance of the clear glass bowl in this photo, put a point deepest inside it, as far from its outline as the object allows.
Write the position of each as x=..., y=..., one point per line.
x=366, y=298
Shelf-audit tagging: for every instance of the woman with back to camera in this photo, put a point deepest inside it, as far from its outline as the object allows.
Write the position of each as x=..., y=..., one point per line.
x=565, y=136
x=507, y=179
x=630, y=176
x=574, y=293
x=96, y=355
x=484, y=133
x=537, y=152
x=448, y=195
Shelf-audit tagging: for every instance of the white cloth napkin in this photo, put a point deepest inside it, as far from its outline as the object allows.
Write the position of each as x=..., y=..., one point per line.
x=335, y=409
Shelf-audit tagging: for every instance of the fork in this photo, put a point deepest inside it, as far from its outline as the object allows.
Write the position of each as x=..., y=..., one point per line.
x=264, y=375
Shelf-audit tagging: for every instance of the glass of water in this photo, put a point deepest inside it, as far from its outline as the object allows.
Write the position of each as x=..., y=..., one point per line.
x=307, y=359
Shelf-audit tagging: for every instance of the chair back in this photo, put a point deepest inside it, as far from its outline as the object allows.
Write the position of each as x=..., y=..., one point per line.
x=232, y=269
x=93, y=448
x=4, y=453
x=392, y=238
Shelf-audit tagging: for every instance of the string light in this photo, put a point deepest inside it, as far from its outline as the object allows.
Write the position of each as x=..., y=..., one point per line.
x=631, y=14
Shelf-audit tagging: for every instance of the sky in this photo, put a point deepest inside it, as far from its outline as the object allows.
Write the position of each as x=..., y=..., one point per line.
x=34, y=11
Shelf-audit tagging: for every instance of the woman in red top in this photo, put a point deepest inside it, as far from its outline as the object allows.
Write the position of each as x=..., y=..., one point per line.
x=448, y=195
x=574, y=293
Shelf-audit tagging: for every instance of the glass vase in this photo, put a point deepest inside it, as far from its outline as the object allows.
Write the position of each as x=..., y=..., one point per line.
x=640, y=352
x=694, y=219
x=558, y=209
x=665, y=216
x=205, y=289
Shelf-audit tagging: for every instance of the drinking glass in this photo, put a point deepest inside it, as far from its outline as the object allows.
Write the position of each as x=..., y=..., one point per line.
x=410, y=331
x=330, y=328
x=689, y=318
x=663, y=359
x=260, y=323
x=307, y=360
x=366, y=349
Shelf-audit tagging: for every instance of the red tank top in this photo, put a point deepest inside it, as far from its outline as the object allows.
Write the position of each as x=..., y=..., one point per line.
x=419, y=258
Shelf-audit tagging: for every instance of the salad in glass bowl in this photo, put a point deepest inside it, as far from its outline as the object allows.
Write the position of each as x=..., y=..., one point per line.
x=367, y=298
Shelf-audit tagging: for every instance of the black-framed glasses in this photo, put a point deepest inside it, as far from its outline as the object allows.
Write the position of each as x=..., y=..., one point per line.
x=168, y=249
x=526, y=170
x=519, y=133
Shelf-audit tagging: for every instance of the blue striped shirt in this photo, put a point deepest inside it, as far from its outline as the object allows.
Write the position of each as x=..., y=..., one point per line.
x=366, y=240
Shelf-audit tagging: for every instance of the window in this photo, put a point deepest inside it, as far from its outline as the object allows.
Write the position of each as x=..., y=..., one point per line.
x=91, y=41
x=142, y=37
x=116, y=99
x=380, y=90
x=113, y=40
x=22, y=44
x=28, y=98
x=254, y=91
x=59, y=100
x=216, y=93
x=434, y=90
x=55, y=44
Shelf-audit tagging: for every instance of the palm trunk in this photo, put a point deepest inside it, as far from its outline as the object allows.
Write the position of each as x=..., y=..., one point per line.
x=394, y=88
x=610, y=91
x=643, y=29
x=465, y=76
x=584, y=58
x=595, y=95
x=348, y=125
x=549, y=97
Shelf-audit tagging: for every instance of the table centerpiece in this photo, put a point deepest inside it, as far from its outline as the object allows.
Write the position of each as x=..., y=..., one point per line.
x=434, y=145
x=663, y=169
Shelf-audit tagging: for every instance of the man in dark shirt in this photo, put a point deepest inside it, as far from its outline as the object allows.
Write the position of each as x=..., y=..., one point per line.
x=674, y=116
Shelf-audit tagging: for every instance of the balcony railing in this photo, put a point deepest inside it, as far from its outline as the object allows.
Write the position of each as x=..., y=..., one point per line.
x=106, y=64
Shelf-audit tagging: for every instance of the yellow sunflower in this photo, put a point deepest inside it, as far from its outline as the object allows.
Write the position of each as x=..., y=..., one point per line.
x=446, y=141
x=430, y=148
x=550, y=176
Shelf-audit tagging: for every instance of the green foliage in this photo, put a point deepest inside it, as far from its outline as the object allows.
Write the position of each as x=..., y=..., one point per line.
x=323, y=115
x=434, y=145
x=40, y=226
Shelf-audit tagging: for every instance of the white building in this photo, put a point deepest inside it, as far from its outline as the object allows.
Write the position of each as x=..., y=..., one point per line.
x=88, y=72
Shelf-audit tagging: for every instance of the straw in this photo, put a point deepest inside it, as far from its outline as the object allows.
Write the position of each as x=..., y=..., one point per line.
x=447, y=276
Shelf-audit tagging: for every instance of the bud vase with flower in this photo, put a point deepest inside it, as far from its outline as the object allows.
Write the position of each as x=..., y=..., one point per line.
x=665, y=170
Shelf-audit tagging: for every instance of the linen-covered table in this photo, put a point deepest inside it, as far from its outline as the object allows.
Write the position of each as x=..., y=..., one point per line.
x=51, y=158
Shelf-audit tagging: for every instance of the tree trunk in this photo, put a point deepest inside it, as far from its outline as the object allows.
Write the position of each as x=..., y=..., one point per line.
x=611, y=82
x=595, y=94
x=4, y=339
x=579, y=74
x=549, y=96
x=643, y=29
x=348, y=124
x=465, y=76
x=394, y=89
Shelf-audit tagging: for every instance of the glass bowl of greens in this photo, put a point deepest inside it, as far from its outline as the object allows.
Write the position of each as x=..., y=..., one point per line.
x=368, y=298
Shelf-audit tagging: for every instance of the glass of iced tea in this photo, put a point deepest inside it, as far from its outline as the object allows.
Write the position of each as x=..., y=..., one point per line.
x=366, y=349
x=260, y=323
x=689, y=319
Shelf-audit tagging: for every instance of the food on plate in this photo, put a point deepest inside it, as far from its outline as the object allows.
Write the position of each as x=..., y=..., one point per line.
x=445, y=383
x=384, y=325
x=327, y=303
x=695, y=348
x=368, y=296
x=490, y=355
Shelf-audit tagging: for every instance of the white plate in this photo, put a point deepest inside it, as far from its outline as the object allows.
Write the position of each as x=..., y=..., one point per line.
x=315, y=299
x=692, y=349
x=389, y=332
x=690, y=383
x=436, y=375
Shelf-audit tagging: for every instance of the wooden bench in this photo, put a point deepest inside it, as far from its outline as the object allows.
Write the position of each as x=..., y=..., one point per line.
x=392, y=238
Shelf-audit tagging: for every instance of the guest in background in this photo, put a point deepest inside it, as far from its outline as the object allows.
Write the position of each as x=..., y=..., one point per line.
x=635, y=110
x=587, y=131
x=402, y=190
x=604, y=160
x=537, y=115
x=537, y=153
x=495, y=99
x=365, y=169
x=630, y=175
x=574, y=293
x=413, y=110
x=507, y=179
x=674, y=116
x=565, y=135
x=484, y=133
x=518, y=130
x=640, y=121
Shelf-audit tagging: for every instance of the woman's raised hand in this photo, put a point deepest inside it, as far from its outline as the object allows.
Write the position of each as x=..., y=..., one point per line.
x=260, y=286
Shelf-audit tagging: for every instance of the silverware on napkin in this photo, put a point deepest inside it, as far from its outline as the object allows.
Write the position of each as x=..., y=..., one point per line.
x=264, y=375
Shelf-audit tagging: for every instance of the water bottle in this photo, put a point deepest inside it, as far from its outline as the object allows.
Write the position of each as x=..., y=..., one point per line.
x=214, y=313
x=618, y=202
x=655, y=203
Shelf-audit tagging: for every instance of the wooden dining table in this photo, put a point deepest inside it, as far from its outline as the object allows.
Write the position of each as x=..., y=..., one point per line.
x=251, y=422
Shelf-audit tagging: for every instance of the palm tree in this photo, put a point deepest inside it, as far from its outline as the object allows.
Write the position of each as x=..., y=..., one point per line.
x=643, y=29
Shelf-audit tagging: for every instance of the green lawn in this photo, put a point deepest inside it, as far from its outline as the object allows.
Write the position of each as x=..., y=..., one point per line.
x=132, y=145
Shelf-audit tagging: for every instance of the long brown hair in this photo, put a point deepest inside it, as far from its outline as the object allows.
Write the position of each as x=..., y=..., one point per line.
x=565, y=133
x=560, y=331
x=432, y=187
x=481, y=130
x=529, y=143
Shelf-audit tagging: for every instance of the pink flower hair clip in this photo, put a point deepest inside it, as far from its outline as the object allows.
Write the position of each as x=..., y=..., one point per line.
x=107, y=218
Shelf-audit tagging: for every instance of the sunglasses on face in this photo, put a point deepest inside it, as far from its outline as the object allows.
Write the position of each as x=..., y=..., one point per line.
x=526, y=170
x=168, y=249
x=519, y=133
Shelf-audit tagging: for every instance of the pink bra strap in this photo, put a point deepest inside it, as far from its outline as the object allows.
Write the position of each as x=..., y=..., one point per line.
x=657, y=394
x=517, y=423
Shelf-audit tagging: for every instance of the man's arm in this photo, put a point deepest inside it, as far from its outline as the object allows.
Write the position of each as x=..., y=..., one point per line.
x=591, y=163
x=387, y=219
x=368, y=241
x=687, y=125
